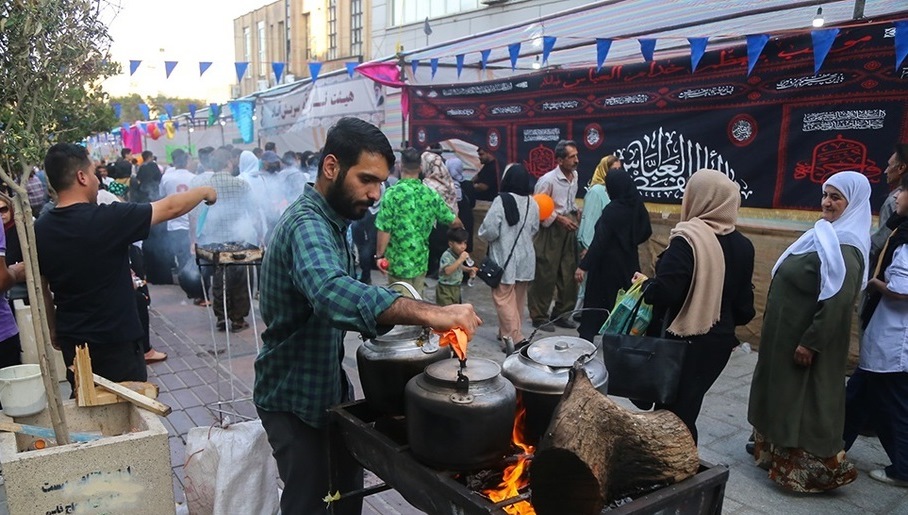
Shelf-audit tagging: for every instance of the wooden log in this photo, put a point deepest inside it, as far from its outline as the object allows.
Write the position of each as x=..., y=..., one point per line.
x=595, y=451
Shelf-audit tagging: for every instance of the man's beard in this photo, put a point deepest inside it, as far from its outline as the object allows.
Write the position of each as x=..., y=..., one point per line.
x=341, y=201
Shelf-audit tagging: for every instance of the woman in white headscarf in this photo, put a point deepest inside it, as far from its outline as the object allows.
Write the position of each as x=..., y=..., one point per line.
x=797, y=397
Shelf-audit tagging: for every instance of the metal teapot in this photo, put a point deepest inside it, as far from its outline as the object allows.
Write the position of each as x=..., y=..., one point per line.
x=385, y=363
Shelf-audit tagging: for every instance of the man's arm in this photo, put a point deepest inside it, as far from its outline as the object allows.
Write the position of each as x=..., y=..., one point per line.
x=381, y=243
x=179, y=204
x=406, y=311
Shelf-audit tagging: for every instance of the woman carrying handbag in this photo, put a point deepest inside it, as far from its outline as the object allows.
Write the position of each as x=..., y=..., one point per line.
x=508, y=228
x=705, y=277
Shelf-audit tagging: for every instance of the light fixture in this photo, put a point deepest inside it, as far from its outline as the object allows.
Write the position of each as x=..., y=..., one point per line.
x=818, y=20
x=254, y=117
x=191, y=129
x=537, y=65
x=223, y=122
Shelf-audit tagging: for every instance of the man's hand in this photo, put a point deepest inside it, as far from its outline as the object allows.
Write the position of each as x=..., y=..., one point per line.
x=579, y=275
x=17, y=272
x=457, y=223
x=566, y=222
x=211, y=195
x=638, y=277
x=803, y=356
x=456, y=315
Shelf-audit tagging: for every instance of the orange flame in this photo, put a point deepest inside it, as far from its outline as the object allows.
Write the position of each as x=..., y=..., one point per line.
x=514, y=477
x=457, y=339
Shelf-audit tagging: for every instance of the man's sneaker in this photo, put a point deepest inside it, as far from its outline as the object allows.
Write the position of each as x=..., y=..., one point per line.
x=881, y=476
x=543, y=325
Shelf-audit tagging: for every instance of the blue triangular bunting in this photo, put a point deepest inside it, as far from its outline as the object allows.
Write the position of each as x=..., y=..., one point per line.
x=192, y=108
x=351, y=68
x=433, y=62
x=168, y=108
x=314, y=68
x=118, y=109
x=203, y=67
x=755, y=45
x=548, y=43
x=697, y=49
x=168, y=67
x=484, y=57
x=241, y=70
x=647, y=47
x=514, y=52
x=278, y=69
x=133, y=66
x=822, y=43
x=602, y=47
x=144, y=108
x=414, y=65
x=459, y=58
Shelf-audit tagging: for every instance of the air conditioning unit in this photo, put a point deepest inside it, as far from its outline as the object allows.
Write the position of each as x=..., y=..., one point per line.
x=261, y=84
x=492, y=2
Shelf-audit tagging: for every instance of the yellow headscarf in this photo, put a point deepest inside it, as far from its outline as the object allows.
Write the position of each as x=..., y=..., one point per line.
x=602, y=170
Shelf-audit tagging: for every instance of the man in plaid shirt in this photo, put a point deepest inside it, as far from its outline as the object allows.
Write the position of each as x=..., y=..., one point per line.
x=309, y=299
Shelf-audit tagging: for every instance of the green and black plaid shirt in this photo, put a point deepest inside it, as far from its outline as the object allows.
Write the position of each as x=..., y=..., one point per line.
x=309, y=300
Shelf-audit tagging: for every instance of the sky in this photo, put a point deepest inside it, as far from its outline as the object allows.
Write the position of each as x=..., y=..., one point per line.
x=187, y=31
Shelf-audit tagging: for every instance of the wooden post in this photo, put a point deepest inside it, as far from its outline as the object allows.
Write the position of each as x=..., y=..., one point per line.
x=25, y=227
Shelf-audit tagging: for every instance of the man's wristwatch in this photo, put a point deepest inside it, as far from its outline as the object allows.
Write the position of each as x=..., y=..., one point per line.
x=377, y=257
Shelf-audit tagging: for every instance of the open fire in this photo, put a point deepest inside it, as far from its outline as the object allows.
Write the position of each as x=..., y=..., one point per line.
x=515, y=476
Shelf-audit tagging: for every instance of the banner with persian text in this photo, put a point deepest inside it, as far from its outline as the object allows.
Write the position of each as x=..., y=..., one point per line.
x=779, y=133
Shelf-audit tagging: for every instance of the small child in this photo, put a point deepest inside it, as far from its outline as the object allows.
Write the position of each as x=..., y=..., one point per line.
x=451, y=268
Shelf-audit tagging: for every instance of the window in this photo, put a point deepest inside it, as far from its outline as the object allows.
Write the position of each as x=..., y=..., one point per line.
x=263, y=54
x=404, y=12
x=356, y=27
x=247, y=44
x=332, y=30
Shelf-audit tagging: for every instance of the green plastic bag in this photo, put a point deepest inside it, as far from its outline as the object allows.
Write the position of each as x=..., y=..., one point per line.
x=619, y=319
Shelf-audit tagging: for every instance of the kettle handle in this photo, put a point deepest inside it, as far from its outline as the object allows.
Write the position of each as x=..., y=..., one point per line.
x=410, y=290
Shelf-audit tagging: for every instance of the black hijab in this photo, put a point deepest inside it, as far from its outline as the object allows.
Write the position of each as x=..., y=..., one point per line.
x=624, y=221
x=899, y=226
x=516, y=181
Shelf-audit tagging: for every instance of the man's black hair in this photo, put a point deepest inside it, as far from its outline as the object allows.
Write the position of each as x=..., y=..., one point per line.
x=204, y=154
x=219, y=159
x=125, y=152
x=349, y=138
x=62, y=162
x=270, y=146
x=561, y=148
x=410, y=158
x=180, y=158
x=147, y=156
x=901, y=153
x=289, y=158
x=457, y=235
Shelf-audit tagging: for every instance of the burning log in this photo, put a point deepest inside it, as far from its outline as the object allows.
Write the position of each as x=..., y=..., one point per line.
x=595, y=451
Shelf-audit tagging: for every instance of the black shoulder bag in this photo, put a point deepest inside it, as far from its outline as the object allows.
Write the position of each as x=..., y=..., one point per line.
x=644, y=368
x=489, y=271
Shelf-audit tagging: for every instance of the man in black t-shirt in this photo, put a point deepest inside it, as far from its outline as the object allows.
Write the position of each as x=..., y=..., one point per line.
x=122, y=167
x=485, y=183
x=83, y=251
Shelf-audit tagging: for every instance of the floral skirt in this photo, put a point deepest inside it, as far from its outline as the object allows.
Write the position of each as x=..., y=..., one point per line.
x=799, y=471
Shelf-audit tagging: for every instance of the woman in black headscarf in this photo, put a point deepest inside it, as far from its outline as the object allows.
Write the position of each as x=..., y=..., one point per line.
x=511, y=222
x=612, y=257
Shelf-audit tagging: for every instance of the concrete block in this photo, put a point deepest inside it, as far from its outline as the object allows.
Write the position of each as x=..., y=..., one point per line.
x=126, y=471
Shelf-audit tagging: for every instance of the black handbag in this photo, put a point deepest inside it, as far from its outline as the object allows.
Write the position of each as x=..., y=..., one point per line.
x=644, y=368
x=489, y=271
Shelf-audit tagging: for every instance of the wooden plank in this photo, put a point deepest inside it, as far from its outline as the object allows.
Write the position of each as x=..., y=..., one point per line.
x=133, y=397
x=103, y=397
x=85, y=385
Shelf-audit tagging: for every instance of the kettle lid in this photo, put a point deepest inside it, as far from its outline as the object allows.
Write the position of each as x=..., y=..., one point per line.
x=477, y=369
x=559, y=351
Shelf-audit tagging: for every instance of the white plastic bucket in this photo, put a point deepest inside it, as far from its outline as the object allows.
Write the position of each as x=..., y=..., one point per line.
x=22, y=390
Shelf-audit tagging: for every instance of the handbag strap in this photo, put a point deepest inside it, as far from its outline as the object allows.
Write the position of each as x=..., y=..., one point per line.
x=514, y=246
x=630, y=321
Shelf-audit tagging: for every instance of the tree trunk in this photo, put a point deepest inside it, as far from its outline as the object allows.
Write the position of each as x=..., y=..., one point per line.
x=595, y=451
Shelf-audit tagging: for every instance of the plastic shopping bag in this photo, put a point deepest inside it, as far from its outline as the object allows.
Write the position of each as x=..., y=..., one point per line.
x=619, y=321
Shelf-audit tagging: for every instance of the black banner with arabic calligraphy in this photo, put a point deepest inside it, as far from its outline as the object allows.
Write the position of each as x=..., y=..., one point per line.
x=779, y=133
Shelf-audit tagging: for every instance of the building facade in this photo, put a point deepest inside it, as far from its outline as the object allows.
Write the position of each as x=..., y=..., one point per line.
x=297, y=32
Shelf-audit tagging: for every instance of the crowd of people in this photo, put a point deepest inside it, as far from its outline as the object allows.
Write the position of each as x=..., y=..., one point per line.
x=328, y=220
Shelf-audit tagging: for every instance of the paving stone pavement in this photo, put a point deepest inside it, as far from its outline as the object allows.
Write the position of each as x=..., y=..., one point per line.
x=193, y=381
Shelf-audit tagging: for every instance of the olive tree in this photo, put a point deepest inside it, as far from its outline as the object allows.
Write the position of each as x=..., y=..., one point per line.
x=53, y=56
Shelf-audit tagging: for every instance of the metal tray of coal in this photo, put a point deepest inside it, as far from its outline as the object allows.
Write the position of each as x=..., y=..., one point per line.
x=230, y=252
x=379, y=444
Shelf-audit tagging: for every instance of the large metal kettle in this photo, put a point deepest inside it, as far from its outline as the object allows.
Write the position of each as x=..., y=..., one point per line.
x=385, y=363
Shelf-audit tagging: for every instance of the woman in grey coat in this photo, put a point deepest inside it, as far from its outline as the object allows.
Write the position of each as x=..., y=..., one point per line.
x=513, y=217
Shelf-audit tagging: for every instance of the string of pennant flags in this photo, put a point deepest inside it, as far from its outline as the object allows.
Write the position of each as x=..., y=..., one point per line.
x=822, y=40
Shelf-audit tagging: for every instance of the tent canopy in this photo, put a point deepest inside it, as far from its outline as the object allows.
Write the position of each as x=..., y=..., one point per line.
x=725, y=22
